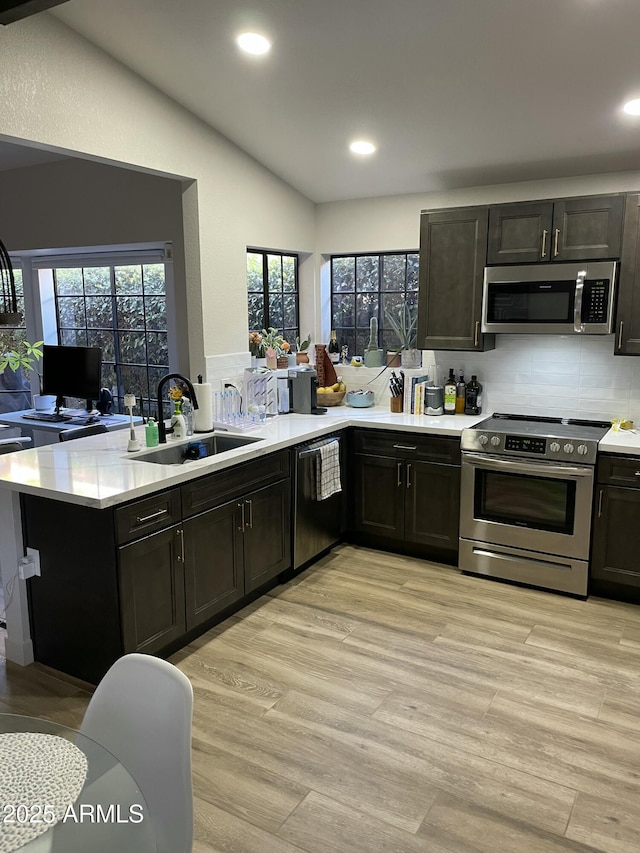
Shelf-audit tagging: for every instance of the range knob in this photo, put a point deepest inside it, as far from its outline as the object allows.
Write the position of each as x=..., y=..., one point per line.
x=583, y=449
x=483, y=440
x=554, y=447
x=495, y=440
x=568, y=448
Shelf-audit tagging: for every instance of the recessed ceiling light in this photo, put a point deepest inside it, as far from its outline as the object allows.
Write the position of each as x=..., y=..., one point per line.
x=632, y=107
x=253, y=43
x=360, y=146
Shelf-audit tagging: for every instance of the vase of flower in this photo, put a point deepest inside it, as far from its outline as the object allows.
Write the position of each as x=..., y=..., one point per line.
x=272, y=358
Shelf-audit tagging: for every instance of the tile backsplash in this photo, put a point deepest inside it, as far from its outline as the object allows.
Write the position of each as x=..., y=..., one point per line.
x=559, y=375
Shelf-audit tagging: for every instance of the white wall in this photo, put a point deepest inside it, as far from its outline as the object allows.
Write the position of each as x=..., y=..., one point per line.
x=393, y=222
x=59, y=91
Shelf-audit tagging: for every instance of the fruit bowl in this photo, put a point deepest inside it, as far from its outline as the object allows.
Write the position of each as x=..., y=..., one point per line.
x=330, y=398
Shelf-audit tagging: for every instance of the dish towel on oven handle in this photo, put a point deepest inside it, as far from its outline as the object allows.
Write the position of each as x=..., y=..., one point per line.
x=328, y=470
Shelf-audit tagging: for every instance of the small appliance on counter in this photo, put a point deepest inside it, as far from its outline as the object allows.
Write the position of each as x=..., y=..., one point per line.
x=303, y=388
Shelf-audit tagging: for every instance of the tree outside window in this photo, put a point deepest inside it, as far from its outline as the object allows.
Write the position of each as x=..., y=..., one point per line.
x=15, y=388
x=371, y=285
x=272, y=292
x=122, y=309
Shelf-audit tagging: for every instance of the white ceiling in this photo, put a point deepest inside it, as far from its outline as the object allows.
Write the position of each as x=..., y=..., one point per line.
x=454, y=92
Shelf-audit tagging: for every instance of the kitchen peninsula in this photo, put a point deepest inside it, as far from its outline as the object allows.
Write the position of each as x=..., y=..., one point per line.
x=89, y=508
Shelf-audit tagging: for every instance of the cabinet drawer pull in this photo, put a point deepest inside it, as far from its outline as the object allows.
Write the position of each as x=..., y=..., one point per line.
x=637, y=474
x=600, y=504
x=157, y=514
x=476, y=334
x=180, y=534
x=544, y=243
x=404, y=447
x=399, y=474
x=250, y=519
x=620, y=334
x=556, y=235
x=408, y=475
x=241, y=507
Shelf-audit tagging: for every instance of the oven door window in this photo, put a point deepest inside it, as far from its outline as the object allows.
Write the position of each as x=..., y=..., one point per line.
x=525, y=500
x=531, y=302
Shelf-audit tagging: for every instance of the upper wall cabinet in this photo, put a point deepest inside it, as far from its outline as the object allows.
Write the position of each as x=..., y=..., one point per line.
x=453, y=248
x=574, y=229
x=627, y=340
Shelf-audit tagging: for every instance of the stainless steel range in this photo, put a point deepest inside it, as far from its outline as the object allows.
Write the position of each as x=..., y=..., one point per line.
x=526, y=498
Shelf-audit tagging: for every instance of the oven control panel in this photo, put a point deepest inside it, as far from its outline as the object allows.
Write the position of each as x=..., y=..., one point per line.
x=524, y=444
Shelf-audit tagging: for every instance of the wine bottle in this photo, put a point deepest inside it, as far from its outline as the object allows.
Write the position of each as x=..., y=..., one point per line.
x=473, y=402
x=450, y=394
x=461, y=389
x=333, y=349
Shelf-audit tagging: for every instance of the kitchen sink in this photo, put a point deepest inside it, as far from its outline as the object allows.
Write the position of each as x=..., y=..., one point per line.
x=178, y=454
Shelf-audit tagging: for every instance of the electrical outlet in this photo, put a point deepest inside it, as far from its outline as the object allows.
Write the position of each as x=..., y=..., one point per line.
x=34, y=554
x=26, y=568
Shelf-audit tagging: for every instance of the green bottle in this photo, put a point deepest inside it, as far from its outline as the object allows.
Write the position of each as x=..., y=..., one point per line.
x=450, y=394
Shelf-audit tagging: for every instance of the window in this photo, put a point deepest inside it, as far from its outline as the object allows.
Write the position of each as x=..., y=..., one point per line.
x=15, y=388
x=272, y=292
x=122, y=309
x=366, y=286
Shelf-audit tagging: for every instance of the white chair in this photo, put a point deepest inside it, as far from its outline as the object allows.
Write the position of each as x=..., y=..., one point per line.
x=141, y=712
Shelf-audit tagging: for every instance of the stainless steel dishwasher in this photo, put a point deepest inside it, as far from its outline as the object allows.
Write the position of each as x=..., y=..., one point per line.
x=318, y=525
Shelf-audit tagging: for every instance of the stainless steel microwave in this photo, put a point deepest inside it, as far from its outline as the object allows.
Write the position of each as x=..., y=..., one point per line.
x=552, y=299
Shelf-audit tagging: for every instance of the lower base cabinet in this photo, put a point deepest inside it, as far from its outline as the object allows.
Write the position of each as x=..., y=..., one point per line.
x=616, y=523
x=407, y=492
x=234, y=549
x=148, y=576
x=151, y=583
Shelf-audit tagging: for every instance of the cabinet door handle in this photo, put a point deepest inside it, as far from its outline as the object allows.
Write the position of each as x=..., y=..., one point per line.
x=142, y=519
x=408, y=475
x=620, y=334
x=556, y=235
x=476, y=333
x=600, y=504
x=404, y=447
x=544, y=243
x=250, y=520
x=180, y=534
x=399, y=473
x=241, y=507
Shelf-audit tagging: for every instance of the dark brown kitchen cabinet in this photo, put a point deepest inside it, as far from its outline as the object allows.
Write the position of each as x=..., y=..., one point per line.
x=573, y=229
x=151, y=585
x=407, y=491
x=453, y=250
x=235, y=549
x=616, y=524
x=151, y=574
x=213, y=562
x=627, y=328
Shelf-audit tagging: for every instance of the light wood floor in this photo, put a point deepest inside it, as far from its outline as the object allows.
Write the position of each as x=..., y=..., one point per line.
x=379, y=703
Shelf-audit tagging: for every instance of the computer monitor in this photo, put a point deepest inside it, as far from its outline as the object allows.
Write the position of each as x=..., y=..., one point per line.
x=72, y=372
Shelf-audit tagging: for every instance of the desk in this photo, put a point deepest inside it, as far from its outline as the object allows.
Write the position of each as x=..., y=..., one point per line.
x=107, y=784
x=45, y=432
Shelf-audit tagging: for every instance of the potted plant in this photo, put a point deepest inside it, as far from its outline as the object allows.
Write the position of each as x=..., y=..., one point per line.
x=302, y=356
x=23, y=359
x=403, y=322
x=275, y=347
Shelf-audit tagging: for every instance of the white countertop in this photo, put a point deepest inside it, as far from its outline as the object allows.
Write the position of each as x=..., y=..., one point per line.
x=98, y=471
x=624, y=441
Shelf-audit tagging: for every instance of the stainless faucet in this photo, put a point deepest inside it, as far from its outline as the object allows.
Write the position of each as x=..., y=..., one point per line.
x=162, y=430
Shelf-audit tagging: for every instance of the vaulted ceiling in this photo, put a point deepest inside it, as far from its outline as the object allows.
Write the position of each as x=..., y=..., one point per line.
x=453, y=92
